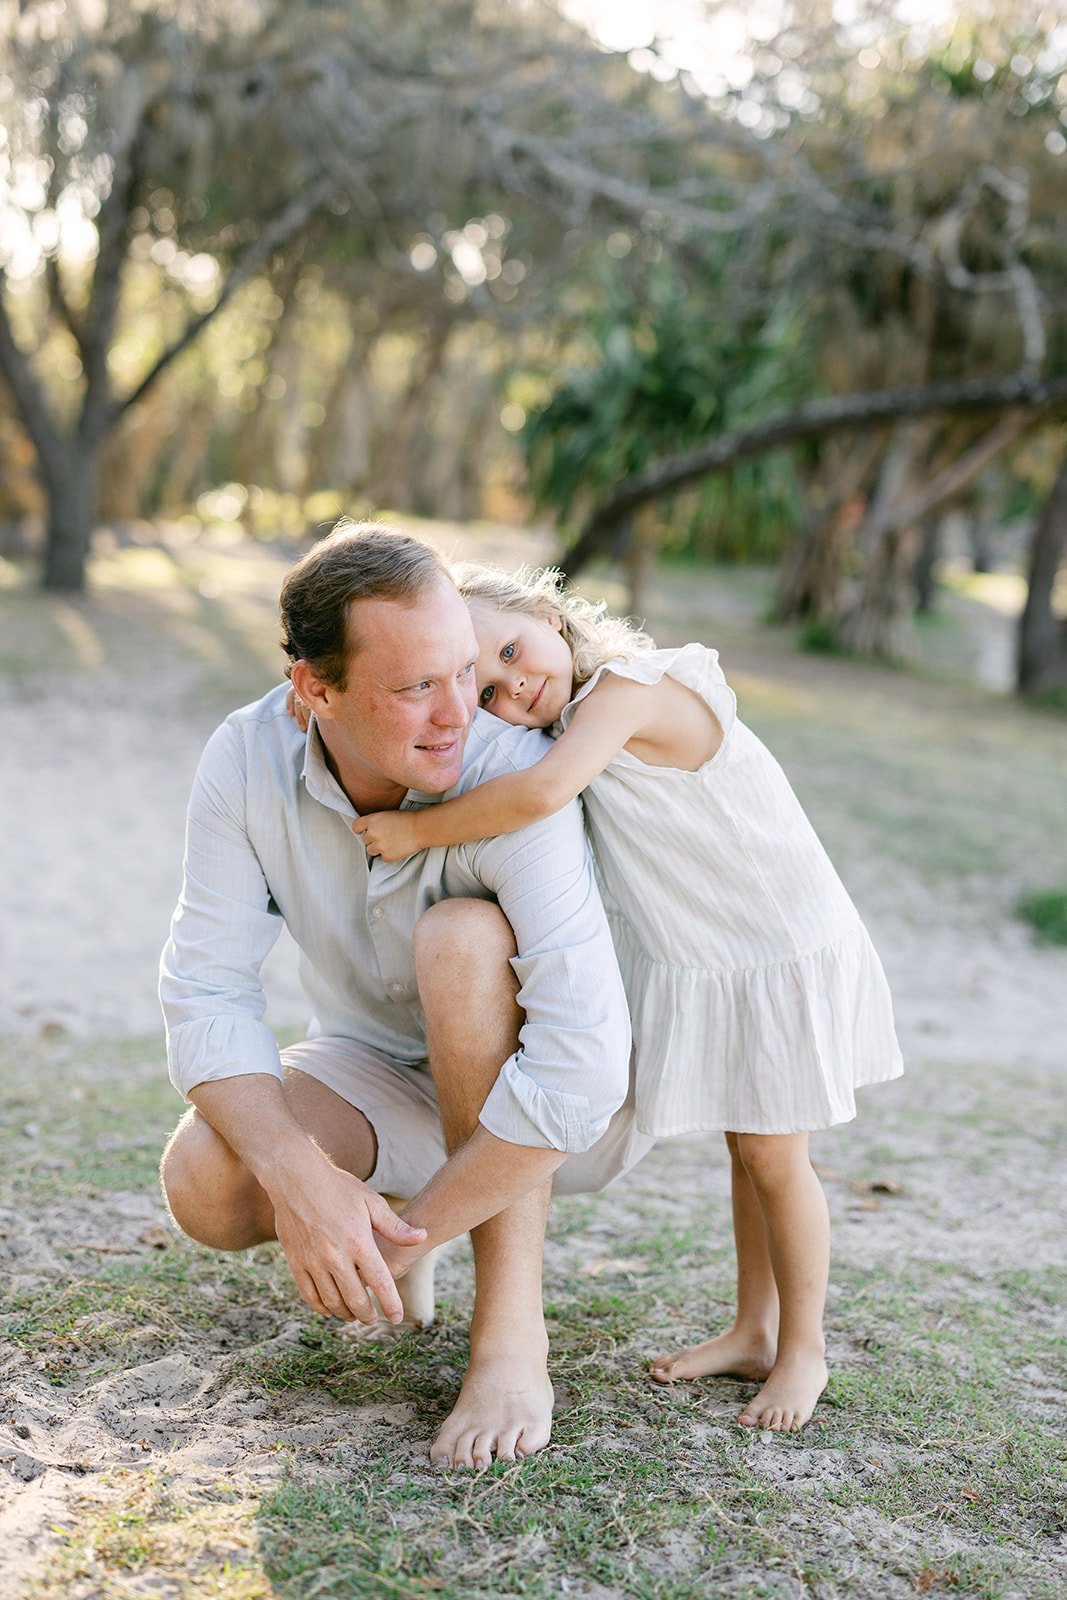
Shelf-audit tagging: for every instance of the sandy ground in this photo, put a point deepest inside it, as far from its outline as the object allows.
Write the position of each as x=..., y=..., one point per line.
x=91, y=834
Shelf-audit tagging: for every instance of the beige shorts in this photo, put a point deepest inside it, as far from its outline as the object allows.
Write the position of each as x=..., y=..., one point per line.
x=400, y=1103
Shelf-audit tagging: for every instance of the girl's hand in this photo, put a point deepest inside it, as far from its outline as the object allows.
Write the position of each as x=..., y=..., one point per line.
x=393, y=835
x=297, y=709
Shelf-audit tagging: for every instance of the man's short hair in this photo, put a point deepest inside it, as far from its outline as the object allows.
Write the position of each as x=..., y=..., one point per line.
x=357, y=561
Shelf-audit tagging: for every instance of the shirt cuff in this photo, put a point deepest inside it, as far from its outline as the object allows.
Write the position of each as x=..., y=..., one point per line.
x=520, y=1111
x=212, y=1048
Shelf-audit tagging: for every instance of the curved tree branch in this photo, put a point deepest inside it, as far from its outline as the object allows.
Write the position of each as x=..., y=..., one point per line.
x=811, y=421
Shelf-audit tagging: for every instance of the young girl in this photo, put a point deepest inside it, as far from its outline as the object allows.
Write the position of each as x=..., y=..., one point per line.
x=758, y=1002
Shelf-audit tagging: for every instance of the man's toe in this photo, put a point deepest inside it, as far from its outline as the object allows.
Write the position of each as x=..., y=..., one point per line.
x=507, y=1446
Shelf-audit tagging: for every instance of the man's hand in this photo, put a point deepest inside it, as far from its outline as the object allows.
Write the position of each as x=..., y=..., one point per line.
x=325, y=1218
x=326, y=1228
x=393, y=835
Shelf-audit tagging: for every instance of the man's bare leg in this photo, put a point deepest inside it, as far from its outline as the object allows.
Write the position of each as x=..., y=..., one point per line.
x=211, y=1193
x=468, y=994
x=748, y=1348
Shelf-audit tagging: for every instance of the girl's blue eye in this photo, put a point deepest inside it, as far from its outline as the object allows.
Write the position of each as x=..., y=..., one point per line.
x=486, y=695
x=507, y=652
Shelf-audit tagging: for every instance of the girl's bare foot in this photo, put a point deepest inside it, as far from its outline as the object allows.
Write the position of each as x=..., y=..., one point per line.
x=738, y=1354
x=788, y=1398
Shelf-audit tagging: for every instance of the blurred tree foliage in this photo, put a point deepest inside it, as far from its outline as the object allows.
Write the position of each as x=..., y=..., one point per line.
x=928, y=262
x=161, y=160
x=300, y=246
x=656, y=369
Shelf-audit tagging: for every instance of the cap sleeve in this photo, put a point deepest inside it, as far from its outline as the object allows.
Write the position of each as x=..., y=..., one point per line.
x=693, y=665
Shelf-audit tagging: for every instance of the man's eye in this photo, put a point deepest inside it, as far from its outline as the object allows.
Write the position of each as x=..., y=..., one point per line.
x=467, y=670
x=486, y=695
x=507, y=652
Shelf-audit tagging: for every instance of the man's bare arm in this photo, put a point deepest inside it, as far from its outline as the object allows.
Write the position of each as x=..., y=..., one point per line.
x=483, y=1177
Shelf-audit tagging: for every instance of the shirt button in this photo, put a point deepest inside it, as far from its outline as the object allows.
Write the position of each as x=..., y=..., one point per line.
x=397, y=988
x=377, y=911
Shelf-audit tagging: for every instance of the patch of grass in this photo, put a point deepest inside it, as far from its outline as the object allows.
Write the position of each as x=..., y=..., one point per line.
x=102, y=1315
x=635, y=1523
x=203, y=1537
x=1046, y=912
x=105, y=1129
x=819, y=636
x=959, y=1447
x=935, y=1464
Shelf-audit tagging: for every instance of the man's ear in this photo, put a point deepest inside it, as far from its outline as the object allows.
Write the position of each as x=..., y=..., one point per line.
x=310, y=687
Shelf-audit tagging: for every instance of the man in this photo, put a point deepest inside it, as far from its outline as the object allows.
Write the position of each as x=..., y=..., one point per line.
x=490, y=962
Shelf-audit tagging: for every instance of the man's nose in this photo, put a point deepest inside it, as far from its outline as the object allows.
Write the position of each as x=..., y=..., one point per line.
x=453, y=710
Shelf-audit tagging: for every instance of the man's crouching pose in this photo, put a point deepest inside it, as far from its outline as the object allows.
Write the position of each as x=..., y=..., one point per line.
x=469, y=1042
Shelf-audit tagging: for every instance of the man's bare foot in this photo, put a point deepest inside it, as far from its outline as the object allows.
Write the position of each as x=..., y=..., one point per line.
x=504, y=1410
x=416, y=1291
x=736, y=1354
x=788, y=1398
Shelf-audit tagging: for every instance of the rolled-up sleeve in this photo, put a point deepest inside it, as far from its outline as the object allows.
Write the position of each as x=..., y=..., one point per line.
x=223, y=929
x=571, y=1072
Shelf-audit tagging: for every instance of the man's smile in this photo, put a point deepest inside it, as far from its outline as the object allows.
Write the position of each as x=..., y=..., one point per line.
x=444, y=748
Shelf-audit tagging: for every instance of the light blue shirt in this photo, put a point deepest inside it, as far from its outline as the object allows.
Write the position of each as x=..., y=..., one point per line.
x=269, y=840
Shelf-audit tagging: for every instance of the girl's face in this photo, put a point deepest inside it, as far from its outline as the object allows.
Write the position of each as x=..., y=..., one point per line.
x=525, y=670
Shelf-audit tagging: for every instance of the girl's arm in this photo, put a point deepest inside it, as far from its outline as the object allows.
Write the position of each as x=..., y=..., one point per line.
x=614, y=712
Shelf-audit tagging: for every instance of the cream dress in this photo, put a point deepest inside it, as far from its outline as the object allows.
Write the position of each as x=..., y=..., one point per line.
x=759, y=1004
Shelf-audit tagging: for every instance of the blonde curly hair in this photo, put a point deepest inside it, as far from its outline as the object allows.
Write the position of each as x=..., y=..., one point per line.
x=593, y=635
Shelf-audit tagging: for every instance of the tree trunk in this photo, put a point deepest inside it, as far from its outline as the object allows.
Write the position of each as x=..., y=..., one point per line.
x=982, y=527
x=926, y=565
x=403, y=449
x=1042, y=651
x=872, y=625
x=812, y=574
x=641, y=560
x=816, y=419
x=71, y=502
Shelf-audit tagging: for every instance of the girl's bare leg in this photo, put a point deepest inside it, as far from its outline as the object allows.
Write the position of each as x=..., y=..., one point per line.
x=796, y=1247
x=747, y=1349
x=798, y=1237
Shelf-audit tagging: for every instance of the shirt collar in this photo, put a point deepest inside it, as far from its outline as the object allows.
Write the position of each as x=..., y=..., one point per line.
x=319, y=781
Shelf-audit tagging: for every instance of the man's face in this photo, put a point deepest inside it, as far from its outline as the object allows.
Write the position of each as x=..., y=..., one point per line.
x=402, y=719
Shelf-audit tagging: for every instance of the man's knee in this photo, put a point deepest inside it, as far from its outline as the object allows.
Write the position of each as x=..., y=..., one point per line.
x=463, y=943
x=209, y=1193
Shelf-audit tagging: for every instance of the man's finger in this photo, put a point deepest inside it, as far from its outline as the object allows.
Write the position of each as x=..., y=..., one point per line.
x=305, y=1285
x=352, y=1298
x=376, y=1276
x=371, y=1276
x=391, y=1227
